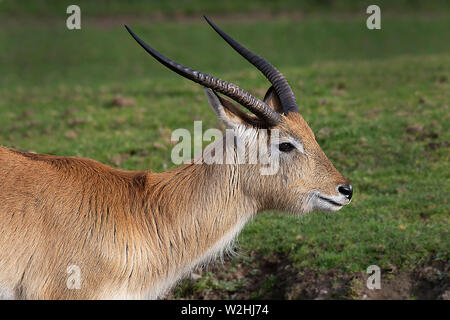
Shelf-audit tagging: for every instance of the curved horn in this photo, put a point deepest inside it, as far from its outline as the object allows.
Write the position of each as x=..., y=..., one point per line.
x=275, y=77
x=258, y=107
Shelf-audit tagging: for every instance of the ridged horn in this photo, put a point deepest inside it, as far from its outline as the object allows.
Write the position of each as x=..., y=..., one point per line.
x=275, y=77
x=253, y=104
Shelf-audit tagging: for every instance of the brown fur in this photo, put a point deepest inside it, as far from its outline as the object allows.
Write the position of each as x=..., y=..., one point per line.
x=117, y=226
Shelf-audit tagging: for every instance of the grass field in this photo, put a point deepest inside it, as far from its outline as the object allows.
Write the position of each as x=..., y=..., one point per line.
x=378, y=102
x=182, y=8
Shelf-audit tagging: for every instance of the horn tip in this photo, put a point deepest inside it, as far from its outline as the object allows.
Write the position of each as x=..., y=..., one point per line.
x=128, y=29
x=208, y=20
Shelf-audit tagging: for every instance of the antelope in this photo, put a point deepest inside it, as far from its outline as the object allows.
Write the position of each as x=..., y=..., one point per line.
x=134, y=234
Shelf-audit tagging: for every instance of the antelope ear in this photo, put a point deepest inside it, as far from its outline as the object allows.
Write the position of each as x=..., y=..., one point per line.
x=272, y=99
x=230, y=114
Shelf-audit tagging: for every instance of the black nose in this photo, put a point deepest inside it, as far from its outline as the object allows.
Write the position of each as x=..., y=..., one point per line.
x=346, y=190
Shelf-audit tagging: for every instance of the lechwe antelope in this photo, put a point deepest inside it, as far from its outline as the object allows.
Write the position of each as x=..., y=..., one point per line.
x=132, y=235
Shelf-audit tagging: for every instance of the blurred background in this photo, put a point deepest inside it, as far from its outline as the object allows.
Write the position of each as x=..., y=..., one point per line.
x=377, y=100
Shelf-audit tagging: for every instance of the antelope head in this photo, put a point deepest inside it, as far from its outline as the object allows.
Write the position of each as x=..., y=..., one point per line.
x=305, y=180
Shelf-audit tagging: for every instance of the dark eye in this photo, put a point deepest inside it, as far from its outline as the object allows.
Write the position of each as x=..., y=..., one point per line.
x=286, y=147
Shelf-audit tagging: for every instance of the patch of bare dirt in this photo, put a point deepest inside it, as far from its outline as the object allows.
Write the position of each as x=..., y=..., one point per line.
x=276, y=278
x=121, y=101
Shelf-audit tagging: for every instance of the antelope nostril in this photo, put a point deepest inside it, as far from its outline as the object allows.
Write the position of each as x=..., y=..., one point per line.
x=346, y=190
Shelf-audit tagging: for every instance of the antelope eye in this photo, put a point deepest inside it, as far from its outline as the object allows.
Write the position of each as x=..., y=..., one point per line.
x=286, y=147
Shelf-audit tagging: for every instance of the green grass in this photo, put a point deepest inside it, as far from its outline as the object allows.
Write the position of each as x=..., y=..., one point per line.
x=378, y=102
x=399, y=215
x=177, y=8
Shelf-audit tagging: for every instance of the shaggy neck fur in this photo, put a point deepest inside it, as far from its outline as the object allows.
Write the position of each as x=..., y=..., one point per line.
x=209, y=219
x=191, y=215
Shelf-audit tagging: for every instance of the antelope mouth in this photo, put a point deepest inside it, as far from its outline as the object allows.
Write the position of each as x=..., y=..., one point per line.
x=330, y=201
